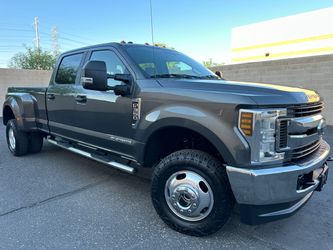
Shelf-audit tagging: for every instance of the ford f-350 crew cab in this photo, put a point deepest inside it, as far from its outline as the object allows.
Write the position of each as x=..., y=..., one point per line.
x=211, y=143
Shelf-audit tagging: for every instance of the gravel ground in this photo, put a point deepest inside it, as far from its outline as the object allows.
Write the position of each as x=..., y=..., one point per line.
x=59, y=200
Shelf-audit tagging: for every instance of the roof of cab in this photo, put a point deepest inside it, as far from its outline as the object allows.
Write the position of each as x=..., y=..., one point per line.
x=111, y=44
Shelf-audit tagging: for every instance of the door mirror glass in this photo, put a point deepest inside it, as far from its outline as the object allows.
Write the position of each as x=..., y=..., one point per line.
x=94, y=76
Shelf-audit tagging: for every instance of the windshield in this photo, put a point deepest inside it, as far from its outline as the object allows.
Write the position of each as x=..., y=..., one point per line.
x=155, y=62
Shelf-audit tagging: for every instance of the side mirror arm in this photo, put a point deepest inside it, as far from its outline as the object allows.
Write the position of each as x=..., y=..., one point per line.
x=120, y=89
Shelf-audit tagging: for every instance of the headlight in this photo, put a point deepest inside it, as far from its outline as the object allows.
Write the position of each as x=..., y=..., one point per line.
x=259, y=128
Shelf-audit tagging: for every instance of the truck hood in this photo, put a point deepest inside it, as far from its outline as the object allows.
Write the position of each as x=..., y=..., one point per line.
x=262, y=94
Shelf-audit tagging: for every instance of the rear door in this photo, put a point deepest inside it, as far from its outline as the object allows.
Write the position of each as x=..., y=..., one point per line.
x=61, y=94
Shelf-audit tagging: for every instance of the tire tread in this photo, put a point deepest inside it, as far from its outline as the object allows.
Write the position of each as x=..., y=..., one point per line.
x=213, y=168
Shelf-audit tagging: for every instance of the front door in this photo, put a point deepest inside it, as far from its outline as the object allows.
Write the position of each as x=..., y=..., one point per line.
x=105, y=119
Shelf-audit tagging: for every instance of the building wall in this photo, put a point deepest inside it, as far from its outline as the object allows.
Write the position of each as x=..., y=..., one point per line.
x=308, y=72
x=21, y=78
x=300, y=35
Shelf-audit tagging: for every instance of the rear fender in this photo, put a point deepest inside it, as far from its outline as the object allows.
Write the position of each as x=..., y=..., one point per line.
x=24, y=107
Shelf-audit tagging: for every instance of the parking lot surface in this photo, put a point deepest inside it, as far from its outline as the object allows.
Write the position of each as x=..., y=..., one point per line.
x=59, y=200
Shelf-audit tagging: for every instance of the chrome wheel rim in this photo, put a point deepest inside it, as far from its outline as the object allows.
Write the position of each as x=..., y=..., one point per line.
x=189, y=196
x=11, y=138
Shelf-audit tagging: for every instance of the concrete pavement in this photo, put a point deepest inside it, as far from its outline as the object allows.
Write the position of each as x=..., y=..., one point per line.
x=59, y=200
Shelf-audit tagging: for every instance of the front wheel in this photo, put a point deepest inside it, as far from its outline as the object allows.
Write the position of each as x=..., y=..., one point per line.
x=191, y=193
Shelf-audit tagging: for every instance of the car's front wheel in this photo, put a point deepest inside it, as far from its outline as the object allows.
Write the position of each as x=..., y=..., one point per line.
x=191, y=193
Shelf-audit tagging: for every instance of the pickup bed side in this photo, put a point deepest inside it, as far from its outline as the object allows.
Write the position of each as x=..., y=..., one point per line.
x=27, y=106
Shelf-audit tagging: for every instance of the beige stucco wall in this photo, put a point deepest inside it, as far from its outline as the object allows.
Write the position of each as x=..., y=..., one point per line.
x=308, y=72
x=21, y=78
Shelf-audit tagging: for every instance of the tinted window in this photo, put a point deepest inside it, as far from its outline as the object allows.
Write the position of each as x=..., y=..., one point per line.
x=179, y=68
x=113, y=64
x=68, y=69
x=157, y=62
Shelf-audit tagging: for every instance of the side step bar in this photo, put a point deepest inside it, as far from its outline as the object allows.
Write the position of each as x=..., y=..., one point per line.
x=103, y=160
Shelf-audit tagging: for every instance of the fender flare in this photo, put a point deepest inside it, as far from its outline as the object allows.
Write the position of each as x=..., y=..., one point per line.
x=23, y=106
x=186, y=124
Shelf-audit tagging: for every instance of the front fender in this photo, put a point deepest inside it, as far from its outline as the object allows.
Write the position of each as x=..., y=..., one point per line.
x=216, y=129
x=24, y=107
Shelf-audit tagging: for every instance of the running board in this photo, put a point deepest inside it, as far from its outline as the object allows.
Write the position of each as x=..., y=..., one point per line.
x=103, y=160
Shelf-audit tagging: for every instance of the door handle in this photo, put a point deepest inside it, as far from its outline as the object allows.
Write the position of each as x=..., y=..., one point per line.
x=81, y=98
x=50, y=96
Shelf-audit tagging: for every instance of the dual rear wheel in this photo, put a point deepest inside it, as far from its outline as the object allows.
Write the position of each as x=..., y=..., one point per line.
x=20, y=142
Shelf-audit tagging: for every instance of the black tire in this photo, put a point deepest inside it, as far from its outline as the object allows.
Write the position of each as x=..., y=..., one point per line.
x=213, y=173
x=21, y=139
x=35, y=142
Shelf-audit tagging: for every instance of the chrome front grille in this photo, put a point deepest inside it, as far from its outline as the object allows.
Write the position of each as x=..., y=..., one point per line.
x=299, y=153
x=308, y=109
x=298, y=134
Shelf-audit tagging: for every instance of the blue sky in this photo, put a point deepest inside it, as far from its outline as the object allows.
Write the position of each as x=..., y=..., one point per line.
x=201, y=29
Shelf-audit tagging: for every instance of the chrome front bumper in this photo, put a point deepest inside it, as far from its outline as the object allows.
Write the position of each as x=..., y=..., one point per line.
x=275, y=185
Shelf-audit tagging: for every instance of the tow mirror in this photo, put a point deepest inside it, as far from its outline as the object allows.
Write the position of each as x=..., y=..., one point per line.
x=126, y=78
x=94, y=76
x=122, y=90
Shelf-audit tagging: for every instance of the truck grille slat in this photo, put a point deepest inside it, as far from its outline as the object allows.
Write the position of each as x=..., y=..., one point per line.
x=304, y=151
x=305, y=109
x=283, y=138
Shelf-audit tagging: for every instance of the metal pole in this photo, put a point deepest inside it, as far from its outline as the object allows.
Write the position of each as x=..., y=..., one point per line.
x=36, y=23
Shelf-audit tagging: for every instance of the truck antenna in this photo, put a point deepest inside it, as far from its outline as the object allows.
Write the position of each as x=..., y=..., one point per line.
x=152, y=34
x=151, y=22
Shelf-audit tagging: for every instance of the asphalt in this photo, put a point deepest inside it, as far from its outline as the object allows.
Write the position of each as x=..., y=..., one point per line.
x=59, y=200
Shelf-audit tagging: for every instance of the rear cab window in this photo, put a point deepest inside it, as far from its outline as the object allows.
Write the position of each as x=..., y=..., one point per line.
x=68, y=69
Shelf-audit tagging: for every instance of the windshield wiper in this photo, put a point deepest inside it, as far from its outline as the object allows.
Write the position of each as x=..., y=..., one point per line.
x=183, y=76
x=175, y=76
x=209, y=77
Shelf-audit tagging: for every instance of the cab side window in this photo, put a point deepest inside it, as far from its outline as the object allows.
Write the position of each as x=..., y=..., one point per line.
x=68, y=68
x=113, y=64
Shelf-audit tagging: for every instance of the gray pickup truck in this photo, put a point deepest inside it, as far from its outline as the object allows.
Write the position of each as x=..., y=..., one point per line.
x=211, y=143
